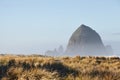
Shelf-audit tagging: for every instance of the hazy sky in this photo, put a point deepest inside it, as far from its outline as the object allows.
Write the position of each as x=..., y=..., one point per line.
x=34, y=26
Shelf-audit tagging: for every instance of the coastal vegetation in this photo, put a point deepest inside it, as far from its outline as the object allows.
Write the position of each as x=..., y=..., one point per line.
x=38, y=67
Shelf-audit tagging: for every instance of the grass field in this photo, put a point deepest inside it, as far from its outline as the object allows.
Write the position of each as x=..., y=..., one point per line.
x=36, y=67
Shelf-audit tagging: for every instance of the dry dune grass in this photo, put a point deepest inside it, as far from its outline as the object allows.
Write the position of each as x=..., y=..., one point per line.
x=59, y=68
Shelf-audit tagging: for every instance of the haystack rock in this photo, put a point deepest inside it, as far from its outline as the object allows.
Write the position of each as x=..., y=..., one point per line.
x=85, y=42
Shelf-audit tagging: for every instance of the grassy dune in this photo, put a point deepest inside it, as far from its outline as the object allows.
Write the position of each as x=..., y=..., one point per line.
x=37, y=67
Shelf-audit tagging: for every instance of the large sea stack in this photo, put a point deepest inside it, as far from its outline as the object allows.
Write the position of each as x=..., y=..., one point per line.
x=85, y=42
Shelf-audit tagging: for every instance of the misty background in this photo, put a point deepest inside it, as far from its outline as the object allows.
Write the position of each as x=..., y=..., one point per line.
x=35, y=26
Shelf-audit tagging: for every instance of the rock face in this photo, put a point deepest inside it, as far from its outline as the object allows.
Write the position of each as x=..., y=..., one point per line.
x=85, y=41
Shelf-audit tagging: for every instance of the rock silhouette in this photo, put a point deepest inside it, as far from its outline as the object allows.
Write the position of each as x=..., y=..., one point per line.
x=55, y=52
x=85, y=41
x=109, y=49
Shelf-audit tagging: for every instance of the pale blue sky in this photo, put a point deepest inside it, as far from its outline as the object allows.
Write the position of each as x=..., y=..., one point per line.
x=34, y=26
